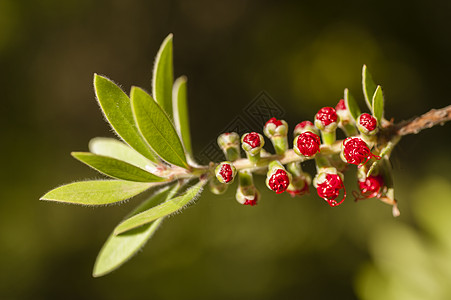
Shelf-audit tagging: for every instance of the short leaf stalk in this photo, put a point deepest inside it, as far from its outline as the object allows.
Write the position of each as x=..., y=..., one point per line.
x=154, y=153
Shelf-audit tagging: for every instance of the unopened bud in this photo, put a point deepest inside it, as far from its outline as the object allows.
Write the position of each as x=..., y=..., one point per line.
x=371, y=186
x=329, y=183
x=326, y=119
x=246, y=193
x=307, y=144
x=299, y=185
x=229, y=142
x=277, y=178
x=346, y=122
x=275, y=127
x=355, y=151
x=252, y=142
x=303, y=127
x=225, y=172
x=276, y=131
x=217, y=187
x=367, y=124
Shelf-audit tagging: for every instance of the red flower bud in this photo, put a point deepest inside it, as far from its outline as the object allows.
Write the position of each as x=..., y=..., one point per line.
x=252, y=139
x=251, y=202
x=300, y=181
x=307, y=144
x=326, y=116
x=371, y=187
x=275, y=127
x=356, y=152
x=247, y=195
x=225, y=172
x=329, y=189
x=274, y=121
x=303, y=127
x=278, y=181
x=367, y=124
x=341, y=105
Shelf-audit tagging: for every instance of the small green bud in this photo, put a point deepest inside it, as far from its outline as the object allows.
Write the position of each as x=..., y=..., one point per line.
x=229, y=143
x=276, y=131
x=246, y=193
x=305, y=126
x=217, y=187
x=252, y=143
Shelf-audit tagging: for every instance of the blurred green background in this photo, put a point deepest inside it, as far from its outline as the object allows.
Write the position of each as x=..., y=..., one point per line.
x=303, y=53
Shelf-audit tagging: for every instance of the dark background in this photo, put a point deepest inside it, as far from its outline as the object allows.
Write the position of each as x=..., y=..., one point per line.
x=303, y=54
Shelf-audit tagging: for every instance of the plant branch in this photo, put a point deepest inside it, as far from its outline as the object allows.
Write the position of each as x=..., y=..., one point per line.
x=427, y=120
x=392, y=134
x=288, y=157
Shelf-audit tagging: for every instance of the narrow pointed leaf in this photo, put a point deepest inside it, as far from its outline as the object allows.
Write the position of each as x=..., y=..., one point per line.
x=157, y=129
x=163, y=76
x=378, y=105
x=369, y=87
x=116, y=106
x=161, y=210
x=116, y=168
x=116, y=149
x=385, y=154
x=351, y=105
x=118, y=249
x=96, y=192
x=181, y=117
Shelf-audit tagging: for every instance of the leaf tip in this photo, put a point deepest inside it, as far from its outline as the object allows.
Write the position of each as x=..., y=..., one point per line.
x=98, y=272
x=118, y=230
x=96, y=78
x=169, y=37
x=180, y=80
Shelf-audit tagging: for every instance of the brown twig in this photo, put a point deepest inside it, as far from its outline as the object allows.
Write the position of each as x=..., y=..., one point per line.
x=427, y=120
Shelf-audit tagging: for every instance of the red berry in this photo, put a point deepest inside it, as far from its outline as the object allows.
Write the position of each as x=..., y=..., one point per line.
x=279, y=181
x=308, y=143
x=326, y=116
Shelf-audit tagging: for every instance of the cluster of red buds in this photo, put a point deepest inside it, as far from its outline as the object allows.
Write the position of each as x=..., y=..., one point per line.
x=311, y=140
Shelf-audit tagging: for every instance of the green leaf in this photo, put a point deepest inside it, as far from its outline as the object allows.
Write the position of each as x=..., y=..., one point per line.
x=351, y=105
x=97, y=192
x=116, y=106
x=116, y=149
x=384, y=154
x=181, y=117
x=161, y=210
x=116, y=168
x=369, y=87
x=378, y=105
x=163, y=76
x=120, y=248
x=157, y=129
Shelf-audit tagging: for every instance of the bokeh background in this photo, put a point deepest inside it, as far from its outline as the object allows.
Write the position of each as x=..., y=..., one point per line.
x=303, y=54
